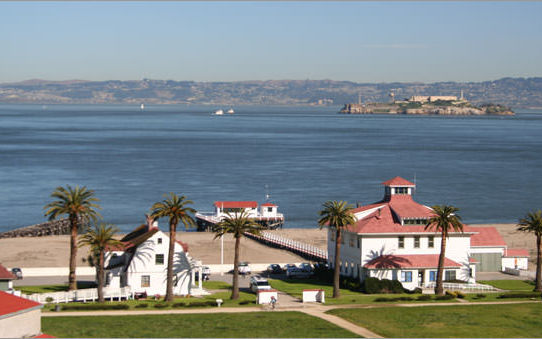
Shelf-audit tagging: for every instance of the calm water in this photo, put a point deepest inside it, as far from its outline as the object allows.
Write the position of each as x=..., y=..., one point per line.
x=489, y=167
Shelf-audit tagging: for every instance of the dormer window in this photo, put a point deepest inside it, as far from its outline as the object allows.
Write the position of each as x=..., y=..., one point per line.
x=401, y=190
x=412, y=221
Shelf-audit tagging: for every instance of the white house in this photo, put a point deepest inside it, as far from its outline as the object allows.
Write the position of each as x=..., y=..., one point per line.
x=267, y=214
x=6, y=279
x=19, y=317
x=141, y=263
x=389, y=241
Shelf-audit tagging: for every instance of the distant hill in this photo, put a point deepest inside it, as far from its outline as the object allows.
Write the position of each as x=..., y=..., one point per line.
x=514, y=92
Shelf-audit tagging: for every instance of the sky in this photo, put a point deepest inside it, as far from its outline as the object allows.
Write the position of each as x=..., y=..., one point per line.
x=235, y=41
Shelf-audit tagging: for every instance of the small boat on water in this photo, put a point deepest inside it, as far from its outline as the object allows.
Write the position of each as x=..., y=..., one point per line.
x=231, y=111
x=142, y=107
x=219, y=112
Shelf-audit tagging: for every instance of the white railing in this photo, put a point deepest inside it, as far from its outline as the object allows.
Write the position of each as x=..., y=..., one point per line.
x=84, y=295
x=290, y=244
x=465, y=287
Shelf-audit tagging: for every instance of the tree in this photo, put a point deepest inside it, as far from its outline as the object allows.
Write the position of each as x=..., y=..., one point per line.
x=444, y=221
x=79, y=205
x=337, y=215
x=98, y=239
x=533, y=223
x=176, y=209
x=237, y=223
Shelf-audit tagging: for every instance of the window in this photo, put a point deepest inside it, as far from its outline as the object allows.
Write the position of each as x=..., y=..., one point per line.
x=406, y=276
x=401, y=242
x=145, y=281
x=449, y=275
x=359, y=242
x=269, y=209
x=401, y=190
x=351, y=243
x=433, y=276
x=159, y=240
x=417, y=241
x=431, y=242
x=159, y=260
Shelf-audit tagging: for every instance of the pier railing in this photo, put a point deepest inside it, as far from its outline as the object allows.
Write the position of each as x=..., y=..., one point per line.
x=302, y=249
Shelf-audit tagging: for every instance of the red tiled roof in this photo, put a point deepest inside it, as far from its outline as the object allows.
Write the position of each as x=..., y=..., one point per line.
x=5, y=274
x=383, y=221
x=10, y=303
x=516, y=252
x=236, y=204
x=486, y=236
x=390, y=261
x=268, y=204
x=473, y=261
x=405, y=207
x=397, y=181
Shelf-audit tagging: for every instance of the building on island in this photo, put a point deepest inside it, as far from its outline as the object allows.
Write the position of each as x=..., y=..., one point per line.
x=431, y=98
x=389, y=241
x=267, y=214
x=141, y=263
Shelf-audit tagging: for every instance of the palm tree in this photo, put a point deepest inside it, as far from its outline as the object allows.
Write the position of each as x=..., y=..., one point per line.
x=79, y=205
x=176, y=209
x=337, y=215
x=533, y=223
x=98, y=239
x=444, y=220
x=237, y=223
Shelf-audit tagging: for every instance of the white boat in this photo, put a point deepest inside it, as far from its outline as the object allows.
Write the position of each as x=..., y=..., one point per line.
x=142, y=107
x=219, y=112
x=231, y=111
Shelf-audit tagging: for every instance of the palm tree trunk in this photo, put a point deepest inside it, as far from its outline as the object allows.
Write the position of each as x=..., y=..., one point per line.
x=73, y=254
x=171, y=252
x=235, y=283
x=439, y=289
x=337, y=266
x=101, y=277
x=538, y=280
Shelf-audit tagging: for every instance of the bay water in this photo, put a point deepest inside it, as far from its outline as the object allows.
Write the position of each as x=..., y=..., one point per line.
x=488, y=167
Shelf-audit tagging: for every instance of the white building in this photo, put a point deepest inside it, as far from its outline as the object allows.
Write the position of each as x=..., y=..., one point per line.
x=267, y=214
x=6, y=279
x=19, y=317
x=389, y=241
x=141, y=263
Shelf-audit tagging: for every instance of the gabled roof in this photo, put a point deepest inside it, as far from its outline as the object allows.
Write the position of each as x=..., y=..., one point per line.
x=5, y=274
x=485, y=237
x=183, y=245
x=391, y=261
x=10, y=304
x=398, y=181
x=236, y=204
x=405, y=207
x=268, y=204
x=516, y=253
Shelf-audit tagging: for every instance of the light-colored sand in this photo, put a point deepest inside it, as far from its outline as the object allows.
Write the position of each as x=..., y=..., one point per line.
x=54, y=251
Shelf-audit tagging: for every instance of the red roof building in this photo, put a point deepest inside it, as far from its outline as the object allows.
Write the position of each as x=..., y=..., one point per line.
x=236, y=204
x=19, y=317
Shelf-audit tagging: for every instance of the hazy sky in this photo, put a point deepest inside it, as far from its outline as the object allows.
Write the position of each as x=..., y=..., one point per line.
x=230, y=41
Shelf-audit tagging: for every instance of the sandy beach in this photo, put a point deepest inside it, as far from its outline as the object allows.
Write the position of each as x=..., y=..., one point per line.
x=53, y=251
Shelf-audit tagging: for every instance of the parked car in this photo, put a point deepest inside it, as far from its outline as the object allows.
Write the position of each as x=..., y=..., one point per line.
x=205, y=273
x=17, y=272
x=296, y=272
x=274, y=269
x=258, y=283
x=288, y=266
x=306, y=267
x=244, y=269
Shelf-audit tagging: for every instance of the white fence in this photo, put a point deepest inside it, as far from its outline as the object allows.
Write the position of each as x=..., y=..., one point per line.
x=465, y=287
x=84, y=295
x=300, y=248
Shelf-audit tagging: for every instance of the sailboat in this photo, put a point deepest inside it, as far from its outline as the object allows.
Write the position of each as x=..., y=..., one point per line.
x=142, y=107
x=219, y=112
x=231, y=111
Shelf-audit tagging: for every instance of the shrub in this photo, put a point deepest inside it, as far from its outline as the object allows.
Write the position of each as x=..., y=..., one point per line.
x=375, y=286
x=141, y=306
x=201, y=303
x=245, y=302
x=180, y=304
x=83, y=307
x=161, y=305
x=520, y=295
x=49, y=299
x=451, y=293
x=444, y=297
x=380, y=299
x=480, y=296
x=423, y=297
x=460, y=294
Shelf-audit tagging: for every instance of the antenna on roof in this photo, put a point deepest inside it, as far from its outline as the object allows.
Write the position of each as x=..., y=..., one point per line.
x=414, y=183
x=267, y=196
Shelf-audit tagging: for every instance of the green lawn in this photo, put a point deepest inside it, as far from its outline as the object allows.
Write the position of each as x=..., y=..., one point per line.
x=512, y=285
x=216, y=285
x=52, y=288
x=478, y=321
x=220, y=325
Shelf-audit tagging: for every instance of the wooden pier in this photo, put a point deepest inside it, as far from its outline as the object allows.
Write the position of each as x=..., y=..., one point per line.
x=304, y=250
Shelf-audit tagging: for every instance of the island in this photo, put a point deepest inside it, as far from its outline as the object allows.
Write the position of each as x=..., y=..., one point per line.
x=427, y=105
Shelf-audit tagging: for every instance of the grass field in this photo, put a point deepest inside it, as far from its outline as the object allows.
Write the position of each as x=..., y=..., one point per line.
x=477, y=321
x=219, y=325
x=512, y=285
x=52, y=288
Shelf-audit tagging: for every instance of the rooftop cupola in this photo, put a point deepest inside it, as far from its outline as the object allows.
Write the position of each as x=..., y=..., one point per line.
x=398, y=186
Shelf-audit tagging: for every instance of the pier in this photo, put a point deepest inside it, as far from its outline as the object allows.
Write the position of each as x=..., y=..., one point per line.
x=304, y=250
